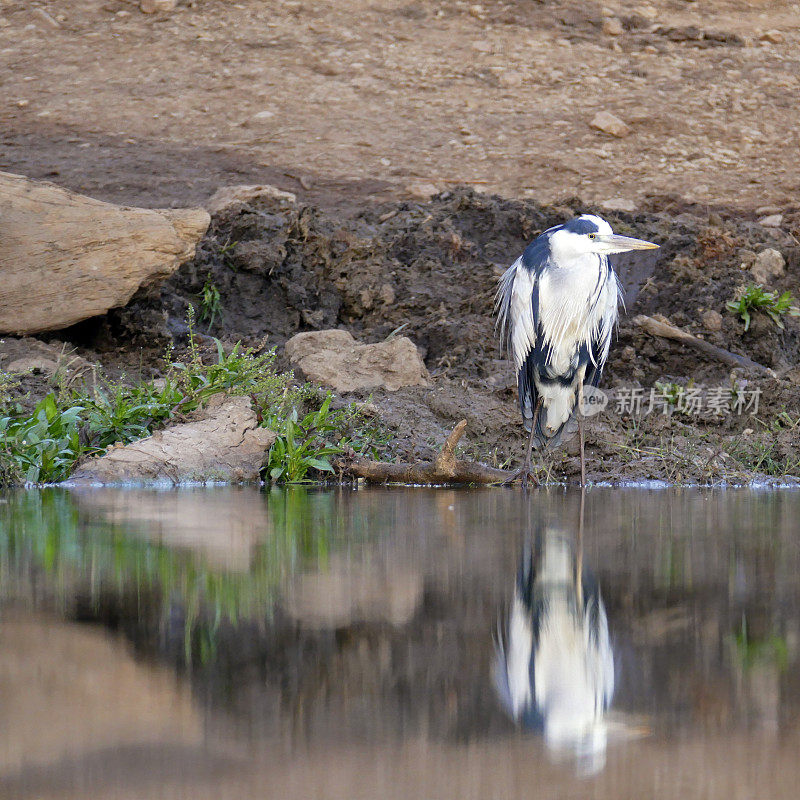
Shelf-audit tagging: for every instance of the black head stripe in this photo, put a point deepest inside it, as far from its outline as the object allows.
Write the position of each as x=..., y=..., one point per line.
x=580, y=225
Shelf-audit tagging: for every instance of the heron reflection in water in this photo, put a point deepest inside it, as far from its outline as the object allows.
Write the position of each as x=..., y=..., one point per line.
x=554, y=666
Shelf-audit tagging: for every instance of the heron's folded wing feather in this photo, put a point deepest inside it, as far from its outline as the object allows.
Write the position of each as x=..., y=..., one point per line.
x=516, y=316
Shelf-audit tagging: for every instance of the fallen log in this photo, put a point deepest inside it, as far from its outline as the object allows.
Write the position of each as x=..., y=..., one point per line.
x=664, y=330
x=65, y=257
x=445, y=468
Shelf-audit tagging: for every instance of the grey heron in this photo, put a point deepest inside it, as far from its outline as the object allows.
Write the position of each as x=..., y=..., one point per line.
x=554, y=665
x=556, y=309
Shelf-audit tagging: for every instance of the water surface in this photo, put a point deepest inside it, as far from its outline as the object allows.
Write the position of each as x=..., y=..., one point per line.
x=307, y=643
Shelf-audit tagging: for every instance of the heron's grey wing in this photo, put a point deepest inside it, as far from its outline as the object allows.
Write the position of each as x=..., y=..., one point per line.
x=515, y=308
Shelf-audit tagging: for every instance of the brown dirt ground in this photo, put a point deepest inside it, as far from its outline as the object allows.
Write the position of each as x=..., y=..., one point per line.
x=350, y=104
x=368, y=96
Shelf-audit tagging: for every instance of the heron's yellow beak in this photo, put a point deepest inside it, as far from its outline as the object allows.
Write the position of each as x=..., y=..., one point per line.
x=614, y=243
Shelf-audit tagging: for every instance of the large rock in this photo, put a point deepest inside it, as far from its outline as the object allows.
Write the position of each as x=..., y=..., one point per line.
x=225, y=444
x=65, y=257
x=334, y=358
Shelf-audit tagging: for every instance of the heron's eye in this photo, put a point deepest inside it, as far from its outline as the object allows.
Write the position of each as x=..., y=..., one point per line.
x=591, y=236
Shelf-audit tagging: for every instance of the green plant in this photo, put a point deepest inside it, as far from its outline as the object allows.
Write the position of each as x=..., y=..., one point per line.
x=750, y=651
x=45, y=445
x=210, y=303
x=302, y=446
x=8, y=383
x=756, y=298
x=41, y=447
x=306, y=445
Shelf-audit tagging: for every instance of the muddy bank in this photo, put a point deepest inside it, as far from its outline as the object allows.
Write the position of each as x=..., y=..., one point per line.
x=273, y=268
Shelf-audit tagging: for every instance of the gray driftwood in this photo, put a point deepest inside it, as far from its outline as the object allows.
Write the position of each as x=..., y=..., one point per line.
x=666, y=331
x=446, y=468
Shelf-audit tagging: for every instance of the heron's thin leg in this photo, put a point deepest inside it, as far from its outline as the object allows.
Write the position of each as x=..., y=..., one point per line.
x=525, y=472
x=579, y=554
x=580, y=431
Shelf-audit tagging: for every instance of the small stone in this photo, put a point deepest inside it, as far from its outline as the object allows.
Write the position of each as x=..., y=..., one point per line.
x=771, y=221
x=608, y=123
x=154, y=6
x=773, y=36
x=421, y=191
x=648, y=12
x=228, y=195
x=712, y=320
x=510, y=79
x=387, y=293
x=482, y=47
x=612, y=27
x=769, y=264
x=764, y=211
x=618, y=204
x=264, y=115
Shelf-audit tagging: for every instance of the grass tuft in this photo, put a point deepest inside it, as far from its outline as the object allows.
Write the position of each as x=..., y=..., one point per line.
x=755, y=298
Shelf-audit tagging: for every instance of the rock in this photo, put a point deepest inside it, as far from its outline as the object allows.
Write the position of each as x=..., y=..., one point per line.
x=773, y=36
x=154, y=6
x=42, y=365
x=769, y=264
x=421, y=191
x=618, y=204
x=771, y=221
x=334, y=358
x=612, y=27
x=228, y=195
x=65, y=257
x=224, y=444
x=712, y=320
x=608, y=123
x=48, y=358
x=767, y=210
x=386, y=293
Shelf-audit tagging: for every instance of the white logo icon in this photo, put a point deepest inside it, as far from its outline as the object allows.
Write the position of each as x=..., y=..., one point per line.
x=594, y=401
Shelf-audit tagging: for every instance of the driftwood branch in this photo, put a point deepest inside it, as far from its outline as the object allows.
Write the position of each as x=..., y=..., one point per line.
x=445, y=468
x=666, y=331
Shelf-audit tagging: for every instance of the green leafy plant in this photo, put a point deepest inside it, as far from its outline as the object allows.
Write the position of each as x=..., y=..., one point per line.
x=44, y=445
x=305, y=445
x=756, y=298
x=210, y=303
x=302, y=445
x=41, y=447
